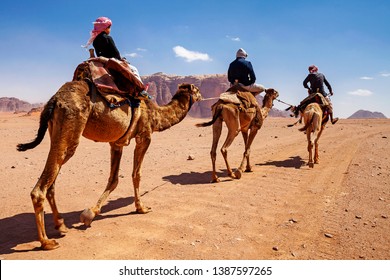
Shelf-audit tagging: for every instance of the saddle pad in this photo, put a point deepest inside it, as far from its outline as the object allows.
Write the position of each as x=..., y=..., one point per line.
x=230, y=97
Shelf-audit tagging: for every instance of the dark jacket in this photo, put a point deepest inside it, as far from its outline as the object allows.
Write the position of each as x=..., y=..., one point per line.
x=317, y=81
x=104, y=46
x=241, y=70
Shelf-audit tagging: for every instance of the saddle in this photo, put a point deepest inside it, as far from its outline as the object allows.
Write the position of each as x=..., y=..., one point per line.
x=113, y=78
x=239, y=96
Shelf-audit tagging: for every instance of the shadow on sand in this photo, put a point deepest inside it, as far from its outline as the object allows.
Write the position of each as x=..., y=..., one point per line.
x=196, y=178
x=21, y=228
x=293, y=162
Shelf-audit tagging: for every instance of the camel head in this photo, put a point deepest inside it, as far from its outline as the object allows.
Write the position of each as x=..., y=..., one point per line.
x=190, y=89
x=269, y=97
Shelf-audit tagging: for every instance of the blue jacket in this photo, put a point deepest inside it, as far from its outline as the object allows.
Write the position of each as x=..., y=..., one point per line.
x=241, y=70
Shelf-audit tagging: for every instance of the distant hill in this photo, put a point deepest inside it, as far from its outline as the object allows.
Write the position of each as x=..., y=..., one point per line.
x=363, y=114
x=11, y=104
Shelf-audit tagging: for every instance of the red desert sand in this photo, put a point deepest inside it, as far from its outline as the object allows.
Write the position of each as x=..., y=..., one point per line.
x=283, y=210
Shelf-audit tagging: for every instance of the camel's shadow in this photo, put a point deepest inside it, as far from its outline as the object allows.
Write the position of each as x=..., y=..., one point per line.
x=21, y=228
x=293, y=162
x=195, y=178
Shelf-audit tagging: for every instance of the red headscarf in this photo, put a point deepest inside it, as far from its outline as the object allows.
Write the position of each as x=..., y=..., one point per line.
x=313, y=69
x=99, y=26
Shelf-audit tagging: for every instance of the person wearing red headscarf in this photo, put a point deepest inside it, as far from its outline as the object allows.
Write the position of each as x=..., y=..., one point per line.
x=317, y=81
x=104, y=45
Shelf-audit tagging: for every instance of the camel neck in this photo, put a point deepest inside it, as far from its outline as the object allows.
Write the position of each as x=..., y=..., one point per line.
x=168, y=115
x=267, y=105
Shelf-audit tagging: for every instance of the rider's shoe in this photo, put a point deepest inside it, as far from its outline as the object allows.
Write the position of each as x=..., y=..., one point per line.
x=335, y=120
x=145, y=95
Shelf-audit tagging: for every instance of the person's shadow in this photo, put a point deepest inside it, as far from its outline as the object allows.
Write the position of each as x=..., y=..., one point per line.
x=21, y=228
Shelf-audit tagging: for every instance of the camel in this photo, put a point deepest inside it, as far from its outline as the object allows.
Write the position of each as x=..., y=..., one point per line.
x=314, y=126
x=78, y=110
x=236, y=120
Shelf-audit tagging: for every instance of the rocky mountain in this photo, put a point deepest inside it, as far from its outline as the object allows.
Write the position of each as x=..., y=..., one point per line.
x=11, y=104
x=163, y=87
x=363, y=114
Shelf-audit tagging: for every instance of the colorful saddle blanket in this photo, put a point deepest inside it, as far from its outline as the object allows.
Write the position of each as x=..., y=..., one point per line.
x=112, y=77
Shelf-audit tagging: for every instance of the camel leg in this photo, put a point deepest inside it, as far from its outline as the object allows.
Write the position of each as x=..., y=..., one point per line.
x=217, y=130
x=232, y=133
x=142, y=145
x=38, y=198
x=309, y=147
x=62, y=148
x=58, y=220
x=316, y=143
x=89, y=214
x=246, y=156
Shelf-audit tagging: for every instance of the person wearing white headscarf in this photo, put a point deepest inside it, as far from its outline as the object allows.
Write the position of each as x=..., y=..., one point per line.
x=241, y=72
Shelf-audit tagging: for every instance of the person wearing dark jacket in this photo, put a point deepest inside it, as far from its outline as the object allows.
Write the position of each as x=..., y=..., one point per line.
x=241, y=72
x=104, y=46
x=317, y=81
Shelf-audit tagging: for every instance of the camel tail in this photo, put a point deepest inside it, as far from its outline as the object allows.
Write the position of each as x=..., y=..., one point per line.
x=46, y=116
x=307, y=124
x=215, y=117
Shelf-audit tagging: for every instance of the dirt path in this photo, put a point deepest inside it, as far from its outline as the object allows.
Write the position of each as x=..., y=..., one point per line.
x=282, y=210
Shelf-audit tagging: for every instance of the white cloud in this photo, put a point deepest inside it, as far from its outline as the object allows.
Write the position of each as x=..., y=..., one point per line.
x=190, y=56
x=361, y=92
x=385, y=74
x=133, y=55
x=366, y=78
x=236, y=39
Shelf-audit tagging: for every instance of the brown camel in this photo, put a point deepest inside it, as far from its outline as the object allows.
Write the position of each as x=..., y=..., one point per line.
x=236, y=120
x=314, y=126
x=77, y=110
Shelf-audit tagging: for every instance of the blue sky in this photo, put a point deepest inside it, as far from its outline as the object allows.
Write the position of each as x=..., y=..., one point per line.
x=348, y=40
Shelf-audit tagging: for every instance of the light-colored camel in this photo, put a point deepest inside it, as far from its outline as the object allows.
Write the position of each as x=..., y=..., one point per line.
x=236, y=120
x=314, y=126
x=78, y=110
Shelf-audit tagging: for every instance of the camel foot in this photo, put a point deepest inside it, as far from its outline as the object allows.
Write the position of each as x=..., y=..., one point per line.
x=310, y=164
x=237, y=174
x=248, y=169
x=62, y=229
x=215, y=180
x=49, y=244
x=86, y=217
x=143, y=210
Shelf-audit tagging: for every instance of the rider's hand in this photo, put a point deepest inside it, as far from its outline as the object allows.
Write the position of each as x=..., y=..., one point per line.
x=331, y=93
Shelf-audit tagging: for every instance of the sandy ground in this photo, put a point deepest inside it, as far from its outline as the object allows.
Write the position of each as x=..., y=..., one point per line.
x=283, y=210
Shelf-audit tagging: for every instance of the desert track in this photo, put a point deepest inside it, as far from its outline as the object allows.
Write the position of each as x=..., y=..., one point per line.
x=283, y=210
